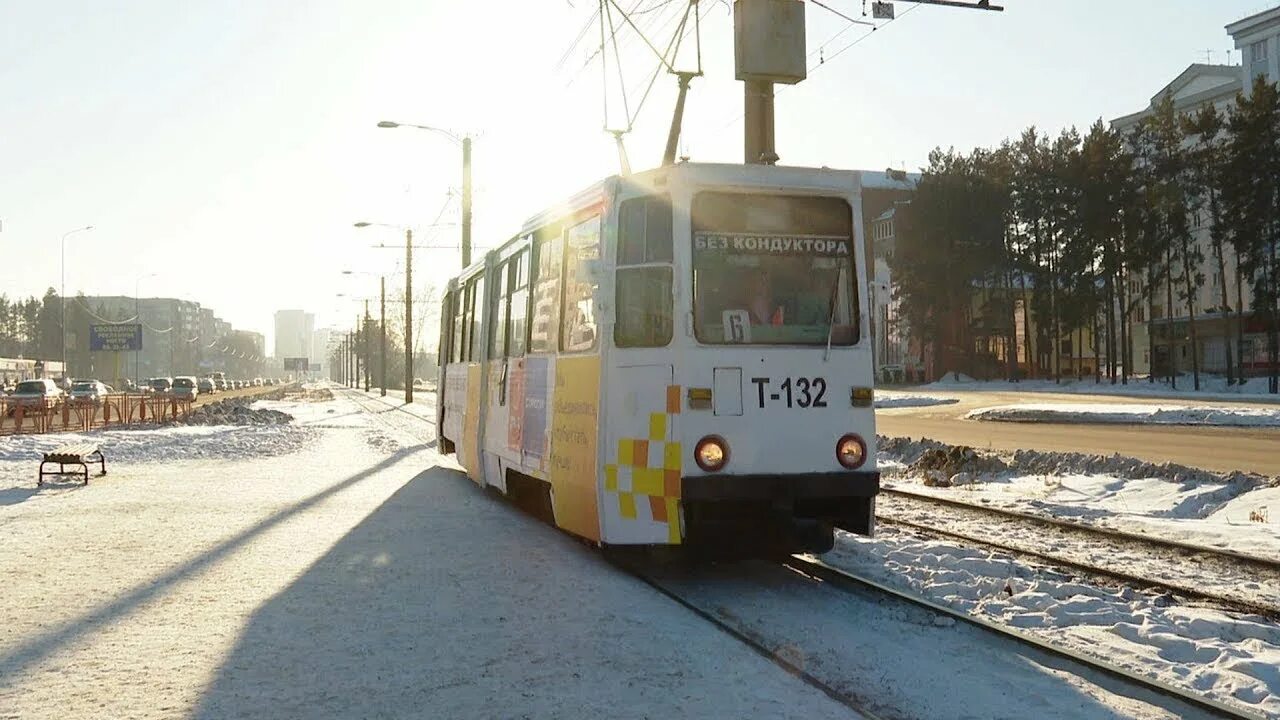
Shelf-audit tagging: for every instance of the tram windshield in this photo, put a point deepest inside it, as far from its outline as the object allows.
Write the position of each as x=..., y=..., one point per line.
x=773, y=270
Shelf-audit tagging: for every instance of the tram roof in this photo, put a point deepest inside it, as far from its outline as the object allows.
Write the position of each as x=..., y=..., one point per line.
x=709, y=172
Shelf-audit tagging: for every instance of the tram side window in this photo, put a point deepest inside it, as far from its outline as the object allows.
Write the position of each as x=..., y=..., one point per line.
x=459, y=325
x=547, y=265
x=509, y=320
x=518, y=300
x=498, y=338
x=578, y=321
x=644, y=293
x=476, y=313
x=446, y=329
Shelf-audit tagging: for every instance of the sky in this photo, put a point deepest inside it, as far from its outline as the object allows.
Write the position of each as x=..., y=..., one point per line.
x=223, y=149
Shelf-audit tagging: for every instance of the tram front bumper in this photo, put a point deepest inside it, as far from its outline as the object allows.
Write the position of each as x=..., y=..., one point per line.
x=748, y=514
x=800, y=487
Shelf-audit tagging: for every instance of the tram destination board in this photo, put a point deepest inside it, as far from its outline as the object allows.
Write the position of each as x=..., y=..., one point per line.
x=125, y=337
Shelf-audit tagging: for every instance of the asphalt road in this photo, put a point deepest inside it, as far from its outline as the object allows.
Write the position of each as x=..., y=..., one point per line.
x=1221, y=449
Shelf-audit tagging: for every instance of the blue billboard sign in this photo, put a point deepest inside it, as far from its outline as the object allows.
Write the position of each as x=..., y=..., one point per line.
x=115, y=338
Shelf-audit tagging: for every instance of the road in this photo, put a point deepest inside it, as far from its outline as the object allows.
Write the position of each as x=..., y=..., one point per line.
x=1220, y=449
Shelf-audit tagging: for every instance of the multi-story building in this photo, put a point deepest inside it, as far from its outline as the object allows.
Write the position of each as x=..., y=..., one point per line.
x=1167, y=329
x=1257, y=37
x=179, y=337
x=294, y=331
x=320, y=348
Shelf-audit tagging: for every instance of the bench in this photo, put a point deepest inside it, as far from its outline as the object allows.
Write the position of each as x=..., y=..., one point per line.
x=81, y=454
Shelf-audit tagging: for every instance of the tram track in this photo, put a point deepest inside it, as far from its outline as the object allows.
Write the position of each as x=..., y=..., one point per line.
x=852, y=582
x=807, y=575
x=1190, y=571
x=751, y=640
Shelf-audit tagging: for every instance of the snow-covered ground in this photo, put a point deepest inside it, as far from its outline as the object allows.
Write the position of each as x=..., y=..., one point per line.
x=888, y=400
x=1211, y=387
x=332, y=568
x=1238, y=512
x=1204, y=650
x=1229, y=658
x=1135, y=414
x=423, y=405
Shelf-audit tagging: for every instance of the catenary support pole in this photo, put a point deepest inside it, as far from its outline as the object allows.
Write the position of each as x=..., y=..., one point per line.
x=408, y=316
x=466, y=202
x=382, y=324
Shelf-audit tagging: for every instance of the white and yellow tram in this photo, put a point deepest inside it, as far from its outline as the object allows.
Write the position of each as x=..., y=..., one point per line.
x=680, y=356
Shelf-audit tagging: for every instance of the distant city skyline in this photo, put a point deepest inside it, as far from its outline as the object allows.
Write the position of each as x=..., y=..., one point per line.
x=229, y=147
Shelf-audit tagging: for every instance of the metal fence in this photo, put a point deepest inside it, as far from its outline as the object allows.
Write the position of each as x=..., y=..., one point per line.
x=65, y=415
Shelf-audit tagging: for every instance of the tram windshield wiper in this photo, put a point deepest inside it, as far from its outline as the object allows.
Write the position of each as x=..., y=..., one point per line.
x=831, y=315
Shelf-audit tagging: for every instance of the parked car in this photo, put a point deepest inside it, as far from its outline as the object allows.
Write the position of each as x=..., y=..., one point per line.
x=221, y=384
x=186, y=387
x=269, y=381
x=159, y=384
x=92, y=391
x=41, y=394
x=257, y=382
x=206, y=385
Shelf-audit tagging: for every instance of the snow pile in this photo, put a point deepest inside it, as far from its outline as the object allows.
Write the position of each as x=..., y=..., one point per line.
x=1129, y=414
x=157, y=444
x=1229, y=658
x=1211, y=386
x=234, y=412
x=1236, y=511
x=891, y=400
x=898, y=451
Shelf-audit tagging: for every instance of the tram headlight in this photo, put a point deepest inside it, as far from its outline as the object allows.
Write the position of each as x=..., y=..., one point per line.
x=851, y=451
x=711, y=453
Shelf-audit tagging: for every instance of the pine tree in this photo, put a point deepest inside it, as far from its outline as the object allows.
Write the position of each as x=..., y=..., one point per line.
x=1251, y=204
x=1207, y=164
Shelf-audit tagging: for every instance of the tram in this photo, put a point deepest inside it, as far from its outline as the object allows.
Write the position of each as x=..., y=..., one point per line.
x=675, y=357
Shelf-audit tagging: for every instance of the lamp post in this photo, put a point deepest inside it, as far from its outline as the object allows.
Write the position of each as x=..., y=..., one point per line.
x=465, y=142
x=62, y=324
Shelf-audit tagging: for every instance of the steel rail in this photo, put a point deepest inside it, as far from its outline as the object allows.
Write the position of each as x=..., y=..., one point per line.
x=756, y=645
x=1085, y=528
x=1234, y=604
x=847, y=580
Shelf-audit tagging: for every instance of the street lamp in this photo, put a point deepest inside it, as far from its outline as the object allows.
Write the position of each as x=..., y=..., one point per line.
x=63, y=322
x=465, y=142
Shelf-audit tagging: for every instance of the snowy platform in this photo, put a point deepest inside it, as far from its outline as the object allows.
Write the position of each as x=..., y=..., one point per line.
x=349, y=576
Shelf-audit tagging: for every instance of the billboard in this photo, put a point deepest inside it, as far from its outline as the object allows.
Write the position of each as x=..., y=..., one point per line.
x=115, y=338
x=297, y=364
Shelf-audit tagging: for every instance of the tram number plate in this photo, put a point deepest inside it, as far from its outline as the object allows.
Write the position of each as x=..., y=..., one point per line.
x=795, y=392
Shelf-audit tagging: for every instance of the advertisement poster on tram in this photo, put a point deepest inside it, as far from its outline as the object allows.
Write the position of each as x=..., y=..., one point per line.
x=533, y=434
x=574, y=427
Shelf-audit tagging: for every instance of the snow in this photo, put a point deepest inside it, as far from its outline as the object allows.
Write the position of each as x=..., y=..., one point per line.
x=422, y=407
x=1129, y=414
x=887, y=400
x=346, y=573
x=1212, y=387
x=902, y=660
x=1226, y=657
x=1239, y=511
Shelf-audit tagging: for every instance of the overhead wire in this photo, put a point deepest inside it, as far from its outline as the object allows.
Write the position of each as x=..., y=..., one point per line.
x=866, y=35
x=586, y=27
x=822, y=62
